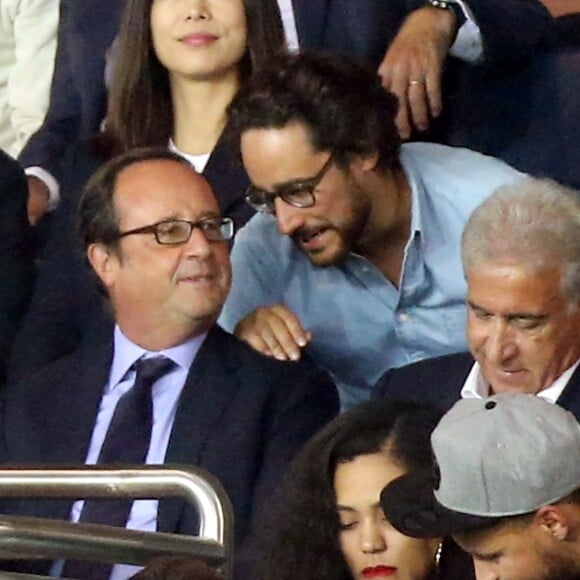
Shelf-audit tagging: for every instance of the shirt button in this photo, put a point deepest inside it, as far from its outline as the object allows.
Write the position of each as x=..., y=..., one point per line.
x=403, y=317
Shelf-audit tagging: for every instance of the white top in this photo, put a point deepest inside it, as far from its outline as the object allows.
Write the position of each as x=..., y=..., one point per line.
x=198, y=161
x=476, y=387
x=27, y=47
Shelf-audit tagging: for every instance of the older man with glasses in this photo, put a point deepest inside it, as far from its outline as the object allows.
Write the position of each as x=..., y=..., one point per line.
x=168, y=385
x=355, y=258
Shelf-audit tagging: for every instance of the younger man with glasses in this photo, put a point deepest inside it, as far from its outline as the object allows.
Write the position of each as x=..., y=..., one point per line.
x=358, y=259
x=154, y=237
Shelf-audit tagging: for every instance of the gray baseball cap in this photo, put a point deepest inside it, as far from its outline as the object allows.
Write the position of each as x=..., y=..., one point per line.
x=506, y=455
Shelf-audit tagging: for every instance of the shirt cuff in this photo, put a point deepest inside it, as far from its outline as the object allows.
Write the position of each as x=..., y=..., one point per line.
x=468, y=45
x=50, y=182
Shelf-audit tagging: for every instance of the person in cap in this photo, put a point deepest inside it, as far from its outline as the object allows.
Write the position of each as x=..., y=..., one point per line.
x=325, y=521
x=506, y=486
x=521, y=259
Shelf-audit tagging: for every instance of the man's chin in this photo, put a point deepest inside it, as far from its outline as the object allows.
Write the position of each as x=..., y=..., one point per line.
x=322, y=259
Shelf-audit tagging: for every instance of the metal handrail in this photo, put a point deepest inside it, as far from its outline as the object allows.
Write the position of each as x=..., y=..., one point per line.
x=198, y=487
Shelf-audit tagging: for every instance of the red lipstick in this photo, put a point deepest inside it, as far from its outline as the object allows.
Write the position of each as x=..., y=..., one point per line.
x=379, y=571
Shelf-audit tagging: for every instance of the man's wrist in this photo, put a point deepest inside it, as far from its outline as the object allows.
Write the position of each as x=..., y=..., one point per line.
x=50, y=182
x=451, y=7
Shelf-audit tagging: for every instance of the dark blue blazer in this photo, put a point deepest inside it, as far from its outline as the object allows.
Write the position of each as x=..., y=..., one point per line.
x=241, y=416
x=16, y=259
x=78, y=94
x=438, y=381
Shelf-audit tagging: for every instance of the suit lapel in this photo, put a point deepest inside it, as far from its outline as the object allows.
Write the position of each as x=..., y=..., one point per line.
x=67, y=432
x=226, y=174
x=210, y=386
x=310, y=16
x=78, y=400
x=570, y=397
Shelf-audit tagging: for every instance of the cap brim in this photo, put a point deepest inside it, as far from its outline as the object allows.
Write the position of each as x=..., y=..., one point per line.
x=411, y=507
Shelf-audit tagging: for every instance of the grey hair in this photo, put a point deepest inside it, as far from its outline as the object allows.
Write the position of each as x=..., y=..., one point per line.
x=532, y=221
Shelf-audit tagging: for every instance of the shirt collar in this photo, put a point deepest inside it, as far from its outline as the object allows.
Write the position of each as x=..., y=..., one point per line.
x=476, y=387
x=126, y=353
x=416, y=188
x=417, y=194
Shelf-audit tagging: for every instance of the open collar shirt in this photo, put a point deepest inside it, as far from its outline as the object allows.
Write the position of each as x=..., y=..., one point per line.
x=477, y=387
x=362, y=325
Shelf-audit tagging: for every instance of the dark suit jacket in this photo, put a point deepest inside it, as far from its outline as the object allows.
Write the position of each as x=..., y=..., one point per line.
x=16, y=260
x=241, y=416
x=78, y=95
x=439, y=381
x=67, y=307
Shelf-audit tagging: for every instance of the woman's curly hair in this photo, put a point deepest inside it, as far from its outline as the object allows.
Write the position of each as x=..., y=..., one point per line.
x=296, y=535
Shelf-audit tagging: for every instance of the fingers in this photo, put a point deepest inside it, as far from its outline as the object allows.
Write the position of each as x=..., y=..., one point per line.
x=274, y=331
x=405, y=76
x=412, y=69
x=417, y=103
x=38, y=195
x=433, y=90
x=396, y=79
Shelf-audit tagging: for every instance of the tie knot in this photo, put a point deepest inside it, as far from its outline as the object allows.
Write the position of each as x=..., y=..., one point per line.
x=150, y=369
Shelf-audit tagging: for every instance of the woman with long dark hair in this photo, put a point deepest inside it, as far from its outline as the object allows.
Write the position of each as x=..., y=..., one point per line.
x=326, y=521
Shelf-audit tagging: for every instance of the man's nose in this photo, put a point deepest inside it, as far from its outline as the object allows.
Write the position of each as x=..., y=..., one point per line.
x=289, y=218
x=198, y=244
x=499, y=342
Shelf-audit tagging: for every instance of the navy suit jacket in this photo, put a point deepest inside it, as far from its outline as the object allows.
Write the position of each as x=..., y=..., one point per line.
x=241, y=416
x=438, y=381
x=78, y=94
x=16, y=259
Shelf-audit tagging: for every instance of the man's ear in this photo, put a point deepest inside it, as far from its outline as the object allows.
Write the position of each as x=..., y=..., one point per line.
x=553, y=520
x=369, y=162
x=104, y=262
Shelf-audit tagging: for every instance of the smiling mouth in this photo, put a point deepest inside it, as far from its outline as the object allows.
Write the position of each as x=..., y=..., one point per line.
x=199, y=39
x=203, y=278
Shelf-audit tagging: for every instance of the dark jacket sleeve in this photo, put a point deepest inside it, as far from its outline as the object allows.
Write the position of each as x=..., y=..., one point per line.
x=511, y=30
x=61, y=125
x=78, y=93
x=16, y=259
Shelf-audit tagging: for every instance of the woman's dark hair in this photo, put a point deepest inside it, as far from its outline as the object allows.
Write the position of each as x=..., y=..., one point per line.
x=341, y=103
x=140, y=112
x=297, y=537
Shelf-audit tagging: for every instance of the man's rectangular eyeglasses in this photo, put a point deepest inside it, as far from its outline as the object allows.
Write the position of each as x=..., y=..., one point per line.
x=299, y=194
x=175, y=232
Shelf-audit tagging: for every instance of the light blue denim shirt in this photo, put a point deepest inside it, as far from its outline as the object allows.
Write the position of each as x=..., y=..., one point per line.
x=361, y=324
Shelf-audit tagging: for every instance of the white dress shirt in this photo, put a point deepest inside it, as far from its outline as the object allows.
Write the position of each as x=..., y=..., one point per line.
x=27, y=48
x=476, y=387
